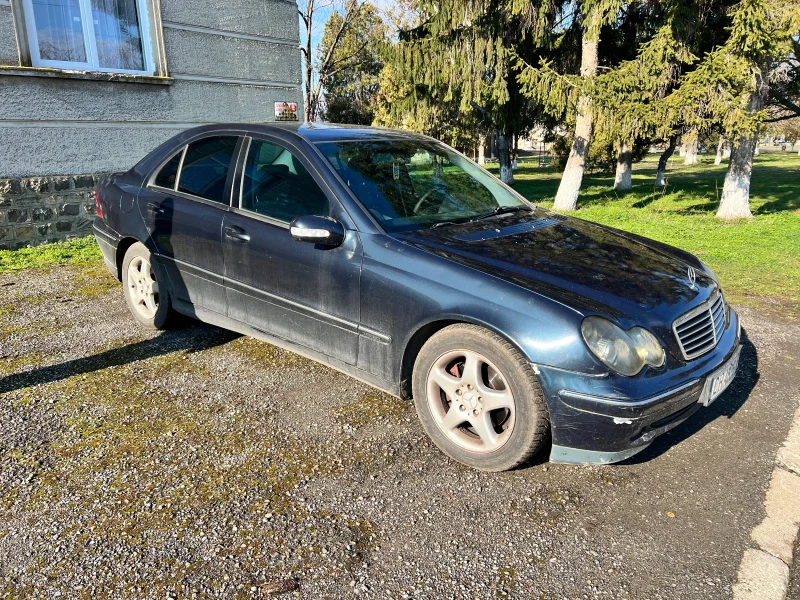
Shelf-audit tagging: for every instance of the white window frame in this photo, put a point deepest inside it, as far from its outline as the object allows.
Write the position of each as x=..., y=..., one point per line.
x=90, y=42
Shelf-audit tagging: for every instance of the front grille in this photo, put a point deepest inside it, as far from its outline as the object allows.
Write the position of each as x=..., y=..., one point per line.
x=699, y=330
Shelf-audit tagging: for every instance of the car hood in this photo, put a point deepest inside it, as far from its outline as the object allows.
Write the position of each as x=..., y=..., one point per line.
x=588, y=267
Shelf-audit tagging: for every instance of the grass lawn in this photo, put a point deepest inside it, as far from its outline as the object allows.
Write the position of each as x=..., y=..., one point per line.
x=757, y=260
x=81, y=250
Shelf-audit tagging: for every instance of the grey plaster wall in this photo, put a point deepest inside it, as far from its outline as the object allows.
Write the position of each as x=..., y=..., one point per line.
x=63, y=127
x=271, y=18
x=58, y=150
x=8, y=42
x=191, y=52
x=130, y=103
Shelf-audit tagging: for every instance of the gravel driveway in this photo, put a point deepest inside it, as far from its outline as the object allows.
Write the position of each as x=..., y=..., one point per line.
x=200, y=464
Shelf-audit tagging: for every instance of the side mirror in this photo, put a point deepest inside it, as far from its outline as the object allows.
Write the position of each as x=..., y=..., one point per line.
x=317, y=230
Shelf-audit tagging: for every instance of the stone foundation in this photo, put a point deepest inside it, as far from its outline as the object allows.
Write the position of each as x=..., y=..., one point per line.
x=40, y=210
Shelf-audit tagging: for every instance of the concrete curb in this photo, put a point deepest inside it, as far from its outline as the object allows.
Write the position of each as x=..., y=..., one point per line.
x=764, y=572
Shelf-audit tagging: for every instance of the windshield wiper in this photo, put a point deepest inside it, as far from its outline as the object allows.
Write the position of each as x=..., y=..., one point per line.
x=443, y=224
x=500, y=210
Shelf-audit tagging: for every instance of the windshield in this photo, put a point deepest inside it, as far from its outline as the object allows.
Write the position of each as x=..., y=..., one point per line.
x=415, y=184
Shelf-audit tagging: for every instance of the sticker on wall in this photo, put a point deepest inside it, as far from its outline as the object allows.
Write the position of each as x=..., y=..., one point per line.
x=286, y=111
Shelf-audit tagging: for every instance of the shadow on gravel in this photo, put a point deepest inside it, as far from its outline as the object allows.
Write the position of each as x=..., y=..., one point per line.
x=725, y=406
x=193, y=339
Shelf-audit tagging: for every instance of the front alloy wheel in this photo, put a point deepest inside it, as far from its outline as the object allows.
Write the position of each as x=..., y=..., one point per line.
x=470, y=401
x=478, y=399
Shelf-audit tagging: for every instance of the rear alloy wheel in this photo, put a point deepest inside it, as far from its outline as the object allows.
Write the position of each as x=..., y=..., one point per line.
x=143, y=287
x=478, y=399
x=147, y=298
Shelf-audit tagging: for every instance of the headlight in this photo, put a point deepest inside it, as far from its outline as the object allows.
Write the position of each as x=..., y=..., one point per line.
x=626, y=352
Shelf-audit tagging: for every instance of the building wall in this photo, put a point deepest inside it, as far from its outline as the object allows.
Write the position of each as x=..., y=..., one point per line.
x=38, y=210
x=228, y=60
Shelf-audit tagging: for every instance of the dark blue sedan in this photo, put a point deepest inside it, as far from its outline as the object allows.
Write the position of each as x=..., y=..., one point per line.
x=393, y=258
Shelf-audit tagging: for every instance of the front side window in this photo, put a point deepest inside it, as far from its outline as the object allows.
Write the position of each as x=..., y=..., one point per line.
x=205, y=168
x=97, y=35
x=277, y=185
x=415, y=183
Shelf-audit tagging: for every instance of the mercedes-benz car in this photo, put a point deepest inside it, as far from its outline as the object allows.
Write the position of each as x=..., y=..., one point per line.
x=397, y=260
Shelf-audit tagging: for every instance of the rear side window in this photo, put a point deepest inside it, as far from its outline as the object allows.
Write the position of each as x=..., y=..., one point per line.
x=205, y=167
x=169, y=172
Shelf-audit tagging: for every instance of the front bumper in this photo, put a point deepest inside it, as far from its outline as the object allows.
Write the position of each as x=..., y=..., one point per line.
x=594, y=420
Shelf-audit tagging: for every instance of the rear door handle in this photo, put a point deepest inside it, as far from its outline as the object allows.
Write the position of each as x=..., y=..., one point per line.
x=237, y=233
x=155, y=208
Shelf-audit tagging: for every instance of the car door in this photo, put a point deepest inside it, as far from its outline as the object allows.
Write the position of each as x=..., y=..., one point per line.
x=183, y=208
x=298, y=291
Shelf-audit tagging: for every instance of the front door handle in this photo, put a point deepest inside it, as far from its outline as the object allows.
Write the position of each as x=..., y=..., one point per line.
x=155, y=208
x=237, y=233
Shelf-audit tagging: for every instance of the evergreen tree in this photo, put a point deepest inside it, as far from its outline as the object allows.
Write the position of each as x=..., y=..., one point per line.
x=457, y=62
x=570, y=96
x=351, y=82
x=730, y=88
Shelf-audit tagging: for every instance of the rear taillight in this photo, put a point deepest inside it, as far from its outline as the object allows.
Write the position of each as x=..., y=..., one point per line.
x=97, y=204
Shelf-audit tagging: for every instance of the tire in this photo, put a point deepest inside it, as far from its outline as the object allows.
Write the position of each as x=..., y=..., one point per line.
x=145, y=287
x=501, y=417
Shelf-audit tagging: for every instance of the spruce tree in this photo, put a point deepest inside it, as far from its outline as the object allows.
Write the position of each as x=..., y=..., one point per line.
x=459, y=57
x=730, y=88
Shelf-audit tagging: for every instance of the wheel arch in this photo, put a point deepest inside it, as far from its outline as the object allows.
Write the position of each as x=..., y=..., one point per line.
x=122, y=247
x=427, y=330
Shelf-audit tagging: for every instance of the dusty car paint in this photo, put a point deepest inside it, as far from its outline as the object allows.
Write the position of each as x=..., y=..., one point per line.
x=366, y=306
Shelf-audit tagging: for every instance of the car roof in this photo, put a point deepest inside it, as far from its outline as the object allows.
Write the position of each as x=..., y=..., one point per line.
x=319, y=132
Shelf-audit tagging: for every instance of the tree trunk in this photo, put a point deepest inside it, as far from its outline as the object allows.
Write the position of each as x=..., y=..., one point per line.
x=735, y=201
x=720, y=145
x=482, y=149
x=570, y=186
x=661, y=179
x=308, y=110
x=506, y=173
x=622, y=181
x=691, y=149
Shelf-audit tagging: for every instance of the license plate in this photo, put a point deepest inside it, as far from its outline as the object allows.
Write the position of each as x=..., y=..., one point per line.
x=719, y=380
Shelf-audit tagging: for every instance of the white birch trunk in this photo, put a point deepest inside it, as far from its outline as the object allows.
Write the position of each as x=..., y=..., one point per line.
x=570, y=186
x=506, y=173
x=622, y=180
x=691, y=150
x=720, y=145
x=482, y=149
x=735, y=201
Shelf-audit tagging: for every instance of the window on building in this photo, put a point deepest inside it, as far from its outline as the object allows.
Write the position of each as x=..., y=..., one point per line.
x=92, y=35
x=277, y=185
x=205, y=168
